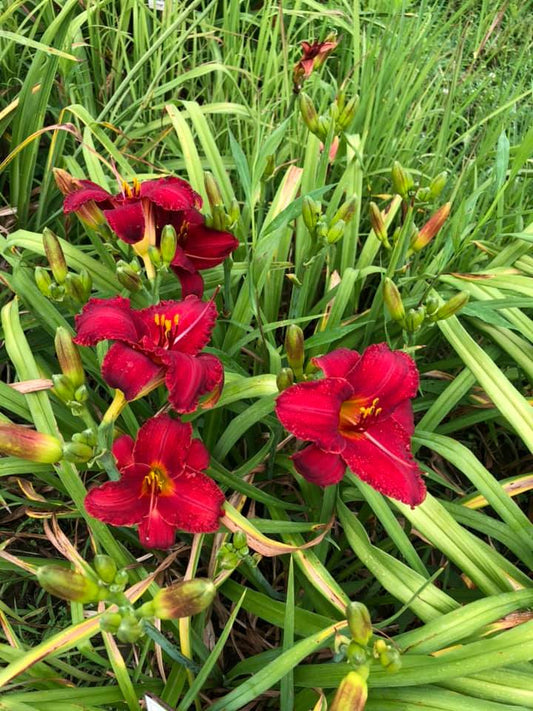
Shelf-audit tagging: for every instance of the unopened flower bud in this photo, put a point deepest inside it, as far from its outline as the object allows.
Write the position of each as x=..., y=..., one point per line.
x=453, y=306
x=393, y=300
x=155, y=255
x=110, y=622
x=378, y=224
x=355, y=654
x=346, y=116
x=69, y=357
x=56, y=292
x=77, y=452
x=402, y=182
x=294, y=347
x=67, y=584
x=284, y=379
x=183, y=599
x=43, y=281
x=55, y=256
x=323, y=128
x=81, y=394
x=86, y=282
x=308, y=111
x=19, y=441
x=359, y=622
x=390, y=659
x=423, y=194
x=63, y=388
x=414, y=318
x=335, y=232
x=437, y=184
x=168, y=244
x=234, y=213
x=128, y=278
x=105, y=567
x=311, y=212
x=431, y=304
x=130, y=629
x=86, y=437
x=346, y=211
x=121, y=577
x=89, y=213
x=431, y=228
x=240, y=541
x=351, y=694
x=213, y=191
x=76, y=288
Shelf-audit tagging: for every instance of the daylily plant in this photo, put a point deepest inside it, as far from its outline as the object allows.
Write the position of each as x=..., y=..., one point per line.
x=155, y=345
x=162, y=487
x=138, y=214
x=359, y=416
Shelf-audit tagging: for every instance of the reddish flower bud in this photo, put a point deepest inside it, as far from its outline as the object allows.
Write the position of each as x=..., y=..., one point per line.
x=431, y=228
x=67, y=584
x=88, y=211
x=378, y=224
x=351, y=694
x=183, y=599
x=69, y=357
x=19, y=441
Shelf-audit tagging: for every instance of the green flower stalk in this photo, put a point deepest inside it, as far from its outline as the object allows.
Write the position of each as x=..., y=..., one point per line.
x=19, y=441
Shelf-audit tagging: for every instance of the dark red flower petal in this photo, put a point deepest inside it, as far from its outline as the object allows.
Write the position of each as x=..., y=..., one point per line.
x=131, y=371
x=155, y=532
x=123, y=451
x=103, y=319
x=163, y=442
x=195, y=506
x=403, y=415
x=319, y=467
x=205, y=246
x=170, y=193
x=89, y=191
x=197, y=456
x=338, y=363
x=119, y=502
x=381, y=456
x=391, y=376
x=195, y=321
x=190, y=377
x=311, y=411
x=191, y=282
x=127, y=220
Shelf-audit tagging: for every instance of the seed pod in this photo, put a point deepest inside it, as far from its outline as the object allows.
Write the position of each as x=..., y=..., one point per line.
x=351, y=694
x=69, y=357
x=67, y=584
x=393, y=300
x=106, y=567
x=359, y=622
x=402, y=182
x=55, y=256
x=453, y=306
x=19, y=441
x=183, y=599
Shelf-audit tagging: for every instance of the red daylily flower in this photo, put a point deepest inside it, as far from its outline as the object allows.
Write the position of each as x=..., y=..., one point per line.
x=161, y=343
x=314, y=54
x=162, y=487
x=358, y=416
x=138, y=215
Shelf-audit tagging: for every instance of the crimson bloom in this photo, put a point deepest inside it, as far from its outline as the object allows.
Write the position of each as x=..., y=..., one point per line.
x=360, y=416
x=314, y=54
x=159, y=344
x=138, y=215
x=162, y=487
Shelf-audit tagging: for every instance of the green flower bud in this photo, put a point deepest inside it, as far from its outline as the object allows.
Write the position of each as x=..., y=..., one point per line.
x=351, y=694
x=155, y=255
x=346, y=211
x=423, y=194
x=55, y=256
x=128, y=278
x=324, y=126
x=234, y=213
x=431, y=304
x=335, y=232
x=359, y=623
x=390, y=659
x=130, y=629
x=169, y=242
x=67, y=584
x=69, y=357
x=402, y=182
x=63, y=387
x=308, y=111
x=311, y=212
x=86, y=282
x=81, y=394
x=453, y=306
x=56, y=292
x=240, y=541
x=23, y=442
x=393, y=300
x=414, y=319
x=43, y=281
x=110, y=622
x=437, y=184
x=347, y=113
x=106, y=567
x=121, y=578
x=74, y=288
x=77, y=452
x=284, y=379
x=355, y=654
x=378, y=224
x=295, y=349
x=184, y=599
x=213, y=191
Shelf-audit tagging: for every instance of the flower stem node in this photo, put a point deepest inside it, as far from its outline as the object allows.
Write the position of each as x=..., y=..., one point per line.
x=351, y=694
x=19, y=441
x=183, y=599
x=105, y=567
x=359, y=623
x=284, y=379
x=68, y=584
x=55, y=256
x=402, y=181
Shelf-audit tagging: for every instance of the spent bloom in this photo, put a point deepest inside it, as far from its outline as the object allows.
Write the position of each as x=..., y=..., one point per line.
x=138, y=214
x=358, y=416
x=156, y=345
x=162, y=487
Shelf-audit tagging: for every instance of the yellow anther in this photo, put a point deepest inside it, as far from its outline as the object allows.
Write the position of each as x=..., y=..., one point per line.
x=167, y=325
x=156, y=319
x=176, y=319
